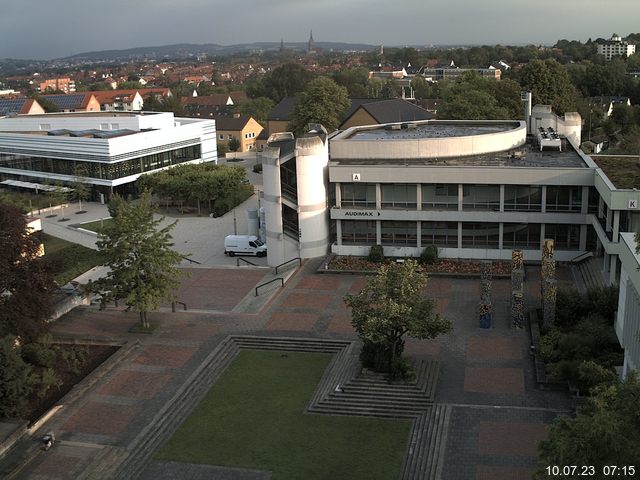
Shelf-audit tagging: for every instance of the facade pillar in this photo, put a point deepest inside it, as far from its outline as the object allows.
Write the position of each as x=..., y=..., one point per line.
x=616, y=226
x=339, y=232
x=419, y=234
x=378, y=197
x=544, y=199
x=584, y=206
x=460, y=196
x=502, y=198
x=338, y=195
x=500, y=235
x=418, y=197
x=583, y=238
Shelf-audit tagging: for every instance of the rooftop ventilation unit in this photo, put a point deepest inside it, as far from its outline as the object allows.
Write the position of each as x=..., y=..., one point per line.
x=549, y=139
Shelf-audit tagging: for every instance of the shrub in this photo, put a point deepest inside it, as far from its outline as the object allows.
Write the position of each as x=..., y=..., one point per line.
x=39, y=354
x=429, y=255
x=570, y=307
x=48, y=380
x=603, y=301
x=257, y=168
x=376, y=254
x=592, y=374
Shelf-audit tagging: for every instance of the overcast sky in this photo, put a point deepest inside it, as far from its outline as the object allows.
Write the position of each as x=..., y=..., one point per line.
x=40, y=29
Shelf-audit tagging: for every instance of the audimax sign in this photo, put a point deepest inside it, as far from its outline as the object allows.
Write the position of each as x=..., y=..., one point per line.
x=361, y=213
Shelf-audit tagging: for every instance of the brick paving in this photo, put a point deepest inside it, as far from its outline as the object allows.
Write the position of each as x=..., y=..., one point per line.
x=494, y=380
x=165, y=355
x=510, y=438
x=486, y=375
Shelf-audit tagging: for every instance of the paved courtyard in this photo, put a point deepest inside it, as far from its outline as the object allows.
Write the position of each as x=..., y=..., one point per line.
x=498, y=416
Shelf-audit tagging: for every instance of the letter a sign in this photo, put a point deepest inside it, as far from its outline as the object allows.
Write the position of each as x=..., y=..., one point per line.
x=356, y=177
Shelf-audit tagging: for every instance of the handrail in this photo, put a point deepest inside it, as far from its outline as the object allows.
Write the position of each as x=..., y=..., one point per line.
x=191, y=260
x=173, y=306
x=270, y=281
x=581, y=257
x=238, y=260
x=288, y=261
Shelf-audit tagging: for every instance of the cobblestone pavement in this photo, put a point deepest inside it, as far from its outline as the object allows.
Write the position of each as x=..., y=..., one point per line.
x=486, y=376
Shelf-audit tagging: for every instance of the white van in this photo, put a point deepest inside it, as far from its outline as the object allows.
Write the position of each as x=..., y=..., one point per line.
x=244, y=245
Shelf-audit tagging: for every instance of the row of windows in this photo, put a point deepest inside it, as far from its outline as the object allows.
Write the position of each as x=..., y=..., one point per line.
x=99, y=170
x=520, y=198
x=445, y=234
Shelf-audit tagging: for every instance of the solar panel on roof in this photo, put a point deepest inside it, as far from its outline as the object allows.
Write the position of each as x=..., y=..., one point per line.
x=66, y=102
x=11, y=105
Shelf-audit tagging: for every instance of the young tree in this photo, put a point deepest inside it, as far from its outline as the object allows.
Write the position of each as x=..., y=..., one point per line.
x=26, y=285
x=259, y=108
x=392, y=305
x=143, y=267
x=234, y=144
x=322, y=101
x=605, y=432
x=81, y=186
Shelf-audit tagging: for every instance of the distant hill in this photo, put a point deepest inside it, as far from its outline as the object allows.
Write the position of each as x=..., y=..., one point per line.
x=212, y=49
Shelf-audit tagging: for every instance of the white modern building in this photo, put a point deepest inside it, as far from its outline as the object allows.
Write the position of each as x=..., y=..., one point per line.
x=615, y=47
x=475, y=189
x=110, y=149
x=628, y=316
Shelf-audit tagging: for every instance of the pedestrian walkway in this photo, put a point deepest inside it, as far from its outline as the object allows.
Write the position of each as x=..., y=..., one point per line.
x=485, y=389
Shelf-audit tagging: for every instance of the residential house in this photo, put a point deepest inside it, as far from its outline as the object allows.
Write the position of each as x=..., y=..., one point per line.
x=606, y=103
x=242, y=127
x=372, y=112
x=19, y=106
x=119, y=100
x=210, y=105
x=74, y=102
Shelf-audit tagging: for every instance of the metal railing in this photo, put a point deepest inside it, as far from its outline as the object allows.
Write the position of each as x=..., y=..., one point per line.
x=238, y=260
x=289, y=261
x=190, y=260
x=270, y=281
x=173, y=306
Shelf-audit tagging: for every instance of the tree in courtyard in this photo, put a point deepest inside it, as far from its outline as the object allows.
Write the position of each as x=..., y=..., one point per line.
x=26, y=284
x=322, y=101
x=143, y=268
x=604, y=432
x=17, y=380
x=259, y=108
x=81, y=188
x=393, y=304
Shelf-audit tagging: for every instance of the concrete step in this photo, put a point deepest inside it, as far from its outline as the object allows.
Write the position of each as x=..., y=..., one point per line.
x=366, y=411
x=397, y=401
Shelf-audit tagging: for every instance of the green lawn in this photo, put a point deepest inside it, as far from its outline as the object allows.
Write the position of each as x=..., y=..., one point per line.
x=68, y=259
x=95, y=226
x=253, y=417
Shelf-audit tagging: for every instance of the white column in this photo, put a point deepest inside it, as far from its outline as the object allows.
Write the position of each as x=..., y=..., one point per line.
x=272, y=203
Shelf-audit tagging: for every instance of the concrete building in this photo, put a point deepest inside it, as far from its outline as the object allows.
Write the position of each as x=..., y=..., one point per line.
x=628, y=315
x=475, y=189
x=111, y=150
x=615, y=47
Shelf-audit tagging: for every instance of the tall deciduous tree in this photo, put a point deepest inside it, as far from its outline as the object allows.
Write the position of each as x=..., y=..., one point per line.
x=550, y=84
x=392, y=305
x=322, y=101
x=605, y=432
x=143, y=266
x=26, y=284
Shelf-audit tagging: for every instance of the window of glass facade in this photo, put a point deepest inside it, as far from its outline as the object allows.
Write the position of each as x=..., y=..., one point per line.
x=565, y=237
x=100, y=170
x=564, y=199
x=401, y=195
x=594, y=200
x=289, y=179
x=521, y=235
x=399, y=233
x=522, y=198
x=481, y=197
x=358, y=232
x=440, y=196
x=358, y=195
x=482, y=235
x=442, y=234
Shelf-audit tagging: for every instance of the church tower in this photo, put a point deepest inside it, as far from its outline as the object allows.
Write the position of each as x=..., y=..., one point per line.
x=311, y=46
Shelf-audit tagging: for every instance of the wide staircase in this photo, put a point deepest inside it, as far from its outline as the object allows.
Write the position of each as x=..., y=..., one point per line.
x=345, y=389
x=590, y=272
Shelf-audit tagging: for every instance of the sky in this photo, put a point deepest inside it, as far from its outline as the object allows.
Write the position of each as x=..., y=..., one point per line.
x=39, y=29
